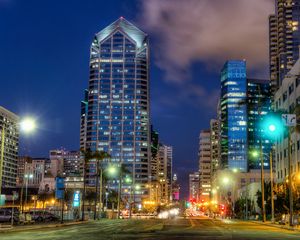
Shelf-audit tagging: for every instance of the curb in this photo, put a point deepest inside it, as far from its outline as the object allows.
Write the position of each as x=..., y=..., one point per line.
x=35, y=227
x=278, y=226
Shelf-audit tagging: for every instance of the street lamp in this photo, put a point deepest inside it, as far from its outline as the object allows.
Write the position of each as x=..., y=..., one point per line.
x=225, y=180
x=28, y=125
x=27, y=177
x=272, y=127
x=113, y=170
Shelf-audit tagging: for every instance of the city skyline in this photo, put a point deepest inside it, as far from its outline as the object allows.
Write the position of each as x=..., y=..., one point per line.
x=69, y=72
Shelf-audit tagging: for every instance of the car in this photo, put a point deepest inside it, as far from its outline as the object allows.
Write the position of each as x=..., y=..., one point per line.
x=6, y=215
x=43, y=216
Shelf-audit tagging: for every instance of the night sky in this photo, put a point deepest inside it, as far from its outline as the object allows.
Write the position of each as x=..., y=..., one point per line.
x=44, y=59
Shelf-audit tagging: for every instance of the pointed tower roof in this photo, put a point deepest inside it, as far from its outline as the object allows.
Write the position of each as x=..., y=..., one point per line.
x=131, y=30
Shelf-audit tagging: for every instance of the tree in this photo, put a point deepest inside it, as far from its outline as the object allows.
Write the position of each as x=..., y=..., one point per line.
x=99, y=156
x=44, y=197
x=87, y=155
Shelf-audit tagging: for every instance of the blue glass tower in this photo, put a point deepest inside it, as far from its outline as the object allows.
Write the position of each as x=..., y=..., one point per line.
x=234, y=147
x=118, y=98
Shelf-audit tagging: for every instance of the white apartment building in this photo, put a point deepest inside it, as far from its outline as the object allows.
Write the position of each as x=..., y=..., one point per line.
x=287, y=98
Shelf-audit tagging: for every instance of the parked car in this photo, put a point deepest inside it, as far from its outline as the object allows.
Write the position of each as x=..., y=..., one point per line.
x=6, y=215
x=43, y=216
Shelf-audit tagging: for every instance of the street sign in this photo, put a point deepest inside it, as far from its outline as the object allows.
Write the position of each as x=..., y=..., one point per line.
x=289, y=120
x=59, y=188
x=76, y=199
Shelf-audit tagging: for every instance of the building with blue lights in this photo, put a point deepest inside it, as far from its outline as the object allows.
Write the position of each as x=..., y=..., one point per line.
x=117, y=118
x=234, y=119
x=244, y=103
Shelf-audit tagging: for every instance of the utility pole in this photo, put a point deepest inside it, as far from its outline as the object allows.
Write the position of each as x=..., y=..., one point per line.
x=119, y=191
x=271, y=182
x=263, y=209
x=247, y=202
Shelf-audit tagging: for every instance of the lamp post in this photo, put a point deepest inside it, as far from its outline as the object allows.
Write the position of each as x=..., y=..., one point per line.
x=27, y=177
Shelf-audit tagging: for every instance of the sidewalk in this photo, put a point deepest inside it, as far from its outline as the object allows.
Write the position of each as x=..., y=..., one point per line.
x=8, y=228
x=277, y=225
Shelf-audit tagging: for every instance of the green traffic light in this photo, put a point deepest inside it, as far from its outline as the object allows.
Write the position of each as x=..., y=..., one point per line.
x=272, y=128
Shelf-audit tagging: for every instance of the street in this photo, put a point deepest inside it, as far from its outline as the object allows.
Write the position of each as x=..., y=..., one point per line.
x=193, y=228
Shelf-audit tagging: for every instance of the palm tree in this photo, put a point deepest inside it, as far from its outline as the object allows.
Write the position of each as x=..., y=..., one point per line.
x=87, y=155
x=99, y=156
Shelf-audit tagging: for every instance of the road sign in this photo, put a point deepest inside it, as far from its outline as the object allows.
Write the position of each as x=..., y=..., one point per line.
x=59, y=188
x=289, y=120
x=76, y=199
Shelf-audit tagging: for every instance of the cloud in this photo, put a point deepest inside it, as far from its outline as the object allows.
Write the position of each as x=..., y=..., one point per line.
x=209, y=31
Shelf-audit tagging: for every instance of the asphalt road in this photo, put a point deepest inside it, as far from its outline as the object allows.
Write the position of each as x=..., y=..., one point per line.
x=195, y=228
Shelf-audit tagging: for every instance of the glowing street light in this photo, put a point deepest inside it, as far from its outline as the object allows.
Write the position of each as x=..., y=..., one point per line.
x=28, y=125
x=112, y=170
x=225, y=180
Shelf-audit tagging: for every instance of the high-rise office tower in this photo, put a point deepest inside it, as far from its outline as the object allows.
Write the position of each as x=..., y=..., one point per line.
x=83, y=120
x=9, y=148
x=244, y=103
x=204, y=164
x=118, y=99
x=154, y=154
x=214, y=145
x=284, y=39
x=234, y=147
x=164, y=172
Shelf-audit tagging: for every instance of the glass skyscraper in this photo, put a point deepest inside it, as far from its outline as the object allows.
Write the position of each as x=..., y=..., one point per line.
x=234, y=148
x=244, y=104
x=259, y=105
x=118, y=99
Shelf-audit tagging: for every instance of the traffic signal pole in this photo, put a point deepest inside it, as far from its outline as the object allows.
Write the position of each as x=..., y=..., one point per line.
x=290, y=179
x=271, y=182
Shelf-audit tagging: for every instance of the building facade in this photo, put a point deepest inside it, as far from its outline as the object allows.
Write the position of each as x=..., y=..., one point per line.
x=215, y=146
x=284, y=39
x=9, y=143
x=259, y=105
x=287, y=99
x=83, y=120
x=164, y=177
x=73, y=164
x=204, y=164
x=34, y=167
x=194, y=186
x=154, y=154
x=118, y=100
x=56, y=162
x=245, y=102
x=234, y=154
